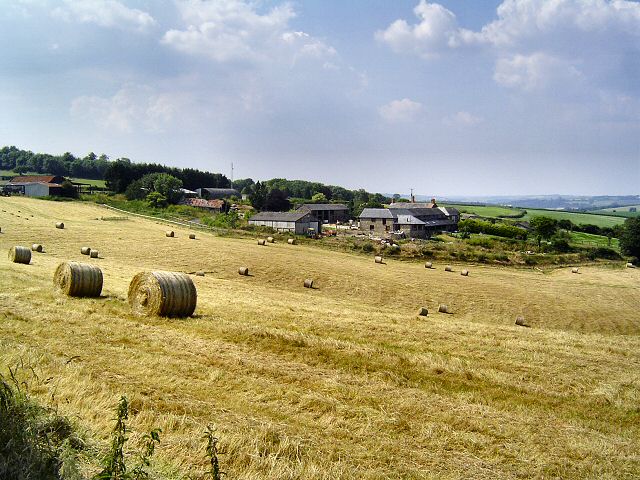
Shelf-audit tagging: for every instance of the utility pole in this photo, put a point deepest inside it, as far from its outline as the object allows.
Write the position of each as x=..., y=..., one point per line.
x=412, y=199
x=232, y=174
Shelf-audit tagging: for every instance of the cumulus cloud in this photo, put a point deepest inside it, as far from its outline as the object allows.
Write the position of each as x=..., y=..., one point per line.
x=105, y=13
x=132, y=108
x=227, y=30
x=462, y=119
x=400, y=111
x=535, y=42
x=534, y=72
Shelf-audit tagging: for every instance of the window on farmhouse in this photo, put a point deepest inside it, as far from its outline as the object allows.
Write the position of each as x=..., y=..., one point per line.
x=384, y=221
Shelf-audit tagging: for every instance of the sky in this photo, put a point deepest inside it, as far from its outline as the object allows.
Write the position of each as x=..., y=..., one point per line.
x=449, y=98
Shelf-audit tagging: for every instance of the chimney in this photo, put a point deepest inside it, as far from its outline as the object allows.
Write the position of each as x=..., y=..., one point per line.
x=433, y=200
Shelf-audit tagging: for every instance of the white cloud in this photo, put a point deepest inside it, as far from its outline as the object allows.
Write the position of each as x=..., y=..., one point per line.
x=400, y=111
x=105, y=13
x=132, y=108
x=229, y=30
x=436, y=31
x=534, y=72
x=462, y=119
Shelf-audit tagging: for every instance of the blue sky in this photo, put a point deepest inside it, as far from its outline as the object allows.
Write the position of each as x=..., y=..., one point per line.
x=450, y=98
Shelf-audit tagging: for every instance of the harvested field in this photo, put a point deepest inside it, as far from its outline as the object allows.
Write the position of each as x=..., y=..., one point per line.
x=345, y=381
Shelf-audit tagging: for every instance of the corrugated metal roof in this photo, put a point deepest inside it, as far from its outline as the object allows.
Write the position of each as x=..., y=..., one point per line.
x=36, y=179
x=323, y=206
x=279, y=216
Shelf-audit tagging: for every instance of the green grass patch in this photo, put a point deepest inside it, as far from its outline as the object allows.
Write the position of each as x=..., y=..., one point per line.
x=577, y=218
x=619, y=211
x=489, y=211
x=580, y=239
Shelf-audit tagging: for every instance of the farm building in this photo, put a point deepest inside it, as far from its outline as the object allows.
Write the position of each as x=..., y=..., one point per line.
x=415, y=220
x=36, y=185
x=327, y=212
x=295, y=222
x=217, y=193
x=213, y=206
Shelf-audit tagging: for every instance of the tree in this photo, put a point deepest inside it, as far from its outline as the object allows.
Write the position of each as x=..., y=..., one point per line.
x=277, y=201
x=319, y=198
x=258, y=195
x=168, y=185
x=630, y=238
x=157, y=200
x=543, y=227
x=69, y=190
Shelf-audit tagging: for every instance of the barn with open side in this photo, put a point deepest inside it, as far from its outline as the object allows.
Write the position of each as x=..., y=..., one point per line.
x=294, y=222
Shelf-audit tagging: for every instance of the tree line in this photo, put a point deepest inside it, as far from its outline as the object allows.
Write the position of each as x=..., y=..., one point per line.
x=22, y=161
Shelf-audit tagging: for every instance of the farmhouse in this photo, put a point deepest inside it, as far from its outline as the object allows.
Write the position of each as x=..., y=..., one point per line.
x=298, y=222
x=36, y=185
x=327, y=212
x=415, y=220
x=217, y=193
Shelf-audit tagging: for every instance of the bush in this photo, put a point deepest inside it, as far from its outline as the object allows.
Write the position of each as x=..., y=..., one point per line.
x=367, y=247
x=603, y=252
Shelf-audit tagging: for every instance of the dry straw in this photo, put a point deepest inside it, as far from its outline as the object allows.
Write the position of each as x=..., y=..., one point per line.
x=36, y=247
x=308, y=283
x=423, y=312
x=167, y=294
x=428, y=265
x=291, y=241
x=271, y=239
x=442, y=308
x=20, y=255
x=60, y=225
x=464, y=273
x=169, y=233
x=448, y=268
x=192, y=236
x=520, y=321
x=85, y=250
x=262, y=241
x=93, y=253
x=243, y=271
x=575, y=270
x=78, y=279
x=378, y=259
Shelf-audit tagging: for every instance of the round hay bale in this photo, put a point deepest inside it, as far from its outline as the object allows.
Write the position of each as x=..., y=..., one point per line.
x=78, y=279
x=575, y=270
x=20, y=255
x=308, y=283
x=36, y=247
x=423, y=312
x=85, y=250
x=170, y=233
x=199, y=274
x=93, y=253
x=192, y=236
x=262, y=241
x=271, y=239
x=464, y=273
x=448, y=268
x=377, y=259
x=442, y=308
x=428, y=265
x=243, y=271
x=630, y=265
x=60, y=225
x=291, y=241
x=1, y=228
x=166, y=294
x=520, y=321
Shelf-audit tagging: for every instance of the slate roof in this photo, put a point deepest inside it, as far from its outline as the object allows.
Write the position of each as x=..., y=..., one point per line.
x=279, y=216
x=413, y=205
x=323, y=206
x=376, y=213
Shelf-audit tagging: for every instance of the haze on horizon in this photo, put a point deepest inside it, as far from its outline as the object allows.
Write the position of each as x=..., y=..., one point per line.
x=453, y=98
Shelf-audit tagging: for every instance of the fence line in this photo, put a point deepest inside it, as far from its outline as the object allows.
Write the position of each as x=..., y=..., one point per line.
x=160, y=219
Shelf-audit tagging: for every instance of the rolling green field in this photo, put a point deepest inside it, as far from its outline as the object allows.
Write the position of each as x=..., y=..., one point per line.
x=619, y=211
x=589, y=240
x=577, y=218
x=487, y=210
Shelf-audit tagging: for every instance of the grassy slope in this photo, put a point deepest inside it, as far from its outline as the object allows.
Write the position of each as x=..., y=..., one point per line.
x=618, y=211
x=589, y=240
x=339, y=382
x=488, y=210
x=577, y=218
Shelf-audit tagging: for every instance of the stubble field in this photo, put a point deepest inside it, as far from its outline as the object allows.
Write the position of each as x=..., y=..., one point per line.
x=342, y=381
